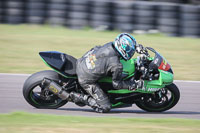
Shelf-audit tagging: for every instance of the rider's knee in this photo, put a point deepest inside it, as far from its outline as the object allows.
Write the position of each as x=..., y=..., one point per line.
x=102, y=109
x=106, y=106
x=106, y=109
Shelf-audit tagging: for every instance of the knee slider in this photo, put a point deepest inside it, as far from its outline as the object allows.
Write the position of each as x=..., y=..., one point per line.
x=105, y=105
x=106, y=109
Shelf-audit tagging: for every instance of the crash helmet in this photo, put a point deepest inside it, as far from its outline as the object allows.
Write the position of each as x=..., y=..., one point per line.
x=125, y=44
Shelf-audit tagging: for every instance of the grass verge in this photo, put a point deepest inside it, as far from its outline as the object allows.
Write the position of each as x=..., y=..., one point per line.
x=20, y=122
x=20, y=44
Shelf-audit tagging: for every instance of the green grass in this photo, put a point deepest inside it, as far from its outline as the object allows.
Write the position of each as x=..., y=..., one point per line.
x=20, y=44
x=39, y=123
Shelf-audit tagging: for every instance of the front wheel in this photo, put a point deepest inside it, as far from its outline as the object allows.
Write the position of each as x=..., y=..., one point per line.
x=160, y=101
x=37, y=95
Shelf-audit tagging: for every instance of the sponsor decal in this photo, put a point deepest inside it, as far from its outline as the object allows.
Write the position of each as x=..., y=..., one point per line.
x=53, y=89
x=153, y=89
x=90, y=61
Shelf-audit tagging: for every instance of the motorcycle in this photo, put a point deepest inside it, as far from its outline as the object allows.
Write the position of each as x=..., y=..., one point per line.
x=49, y=89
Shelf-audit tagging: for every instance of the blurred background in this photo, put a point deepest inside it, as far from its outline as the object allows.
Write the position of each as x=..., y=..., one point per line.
x=30, y=26
x=171, y=17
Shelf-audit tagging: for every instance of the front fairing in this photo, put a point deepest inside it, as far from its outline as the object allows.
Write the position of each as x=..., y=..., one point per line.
x=165, y=76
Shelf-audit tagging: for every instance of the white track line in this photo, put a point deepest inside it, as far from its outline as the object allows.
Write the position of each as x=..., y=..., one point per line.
x=186, y=81
x=16, y=74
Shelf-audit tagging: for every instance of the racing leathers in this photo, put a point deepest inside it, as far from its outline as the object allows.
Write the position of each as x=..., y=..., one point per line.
x=99, y=62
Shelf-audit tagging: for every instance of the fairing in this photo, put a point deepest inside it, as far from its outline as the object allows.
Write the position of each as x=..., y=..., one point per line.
x=165, y=78
x=54, y=59
x=158, y=62
x=62, y=63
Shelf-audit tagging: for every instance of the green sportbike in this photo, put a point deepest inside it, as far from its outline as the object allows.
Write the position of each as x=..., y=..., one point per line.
x=49, y=89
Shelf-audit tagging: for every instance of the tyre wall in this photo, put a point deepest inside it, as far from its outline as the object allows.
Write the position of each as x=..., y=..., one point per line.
x=174, y=19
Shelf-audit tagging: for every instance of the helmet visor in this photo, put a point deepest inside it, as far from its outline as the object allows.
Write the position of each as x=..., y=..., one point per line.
x=129, y=53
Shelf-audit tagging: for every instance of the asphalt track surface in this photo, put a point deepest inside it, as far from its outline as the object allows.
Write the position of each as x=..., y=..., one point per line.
x=11, y=100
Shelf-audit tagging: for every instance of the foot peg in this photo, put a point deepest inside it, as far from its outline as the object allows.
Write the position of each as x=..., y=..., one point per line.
x=56, y=89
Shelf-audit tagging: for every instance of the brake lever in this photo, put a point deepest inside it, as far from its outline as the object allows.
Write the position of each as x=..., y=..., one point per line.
x=146, y=52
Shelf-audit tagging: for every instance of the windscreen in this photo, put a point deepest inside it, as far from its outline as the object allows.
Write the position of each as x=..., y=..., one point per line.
x=159, y=62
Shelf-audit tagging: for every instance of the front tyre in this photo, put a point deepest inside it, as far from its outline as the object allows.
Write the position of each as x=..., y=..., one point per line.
x=160, y=101
x=37, y=95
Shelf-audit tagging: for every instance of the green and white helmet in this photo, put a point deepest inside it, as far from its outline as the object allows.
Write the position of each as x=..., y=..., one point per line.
x=125, y=44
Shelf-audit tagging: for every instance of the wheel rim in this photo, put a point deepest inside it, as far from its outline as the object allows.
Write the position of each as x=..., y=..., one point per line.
x=159, y=101
x=41, y=96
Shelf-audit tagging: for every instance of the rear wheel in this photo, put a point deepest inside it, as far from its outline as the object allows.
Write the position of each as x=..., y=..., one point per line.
x=162, y=100
x=37, y=95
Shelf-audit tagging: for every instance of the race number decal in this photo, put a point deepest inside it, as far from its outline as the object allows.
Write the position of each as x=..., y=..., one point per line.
x=164, y=65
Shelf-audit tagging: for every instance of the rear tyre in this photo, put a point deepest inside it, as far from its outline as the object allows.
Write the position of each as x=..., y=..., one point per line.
x=37, y=95
x=161, y=101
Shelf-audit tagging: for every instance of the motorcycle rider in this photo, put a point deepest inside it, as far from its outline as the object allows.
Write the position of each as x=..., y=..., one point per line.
x=102, y=61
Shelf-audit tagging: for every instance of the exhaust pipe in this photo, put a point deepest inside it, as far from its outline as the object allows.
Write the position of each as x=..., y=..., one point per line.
x=55, y=89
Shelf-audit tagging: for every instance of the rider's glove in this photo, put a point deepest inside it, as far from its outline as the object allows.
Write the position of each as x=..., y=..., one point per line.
x=137, y=84
x=140, y=49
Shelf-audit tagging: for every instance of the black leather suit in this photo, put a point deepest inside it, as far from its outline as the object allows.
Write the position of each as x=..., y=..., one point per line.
x=95, y=64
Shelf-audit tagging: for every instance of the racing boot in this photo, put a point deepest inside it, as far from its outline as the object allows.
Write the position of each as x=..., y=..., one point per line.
x=81, y=98
x=100, y=106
